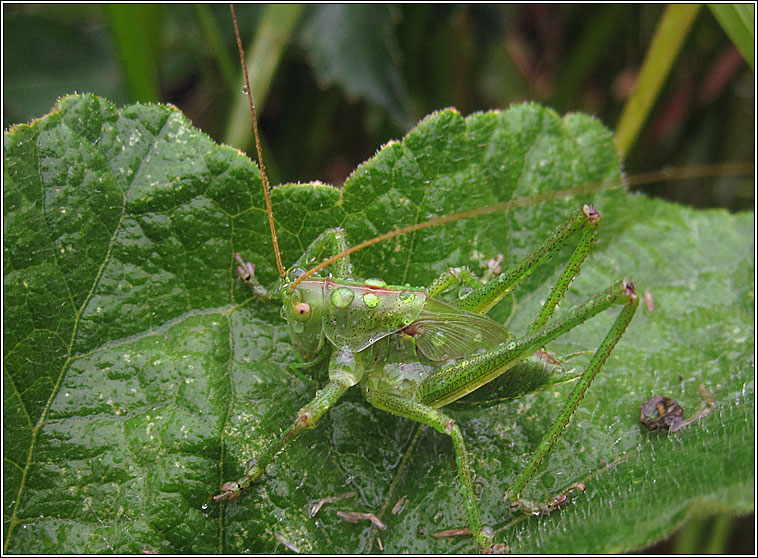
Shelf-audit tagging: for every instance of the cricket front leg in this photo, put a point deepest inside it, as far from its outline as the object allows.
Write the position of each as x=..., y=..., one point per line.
x=329, y=243
x=343, y=373
x=246, y=272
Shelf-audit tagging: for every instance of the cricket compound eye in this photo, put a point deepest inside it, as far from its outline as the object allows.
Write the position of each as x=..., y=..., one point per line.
x=302, y=312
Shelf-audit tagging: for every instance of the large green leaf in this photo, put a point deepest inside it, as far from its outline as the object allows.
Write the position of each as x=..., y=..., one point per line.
x=139, y=374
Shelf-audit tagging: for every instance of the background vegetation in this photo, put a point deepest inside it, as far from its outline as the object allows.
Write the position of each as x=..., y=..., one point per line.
x=335, y=83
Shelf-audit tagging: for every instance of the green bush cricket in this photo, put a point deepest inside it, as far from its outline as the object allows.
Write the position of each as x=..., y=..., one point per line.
x=412, y=352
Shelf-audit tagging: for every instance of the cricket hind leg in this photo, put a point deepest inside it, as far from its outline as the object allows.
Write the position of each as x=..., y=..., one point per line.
x=583, y=222
x=536, y=372
x=452, y=382
x=424, y=414
x=513, y=494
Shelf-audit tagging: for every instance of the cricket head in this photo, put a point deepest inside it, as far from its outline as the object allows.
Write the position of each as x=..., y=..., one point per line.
x=303, y=308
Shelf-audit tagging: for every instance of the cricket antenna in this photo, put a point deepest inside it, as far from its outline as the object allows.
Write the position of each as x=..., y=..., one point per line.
x=667, y=174
x=264, y=178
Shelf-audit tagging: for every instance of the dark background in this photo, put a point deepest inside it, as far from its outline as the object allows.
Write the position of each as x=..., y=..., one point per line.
x=351, y=78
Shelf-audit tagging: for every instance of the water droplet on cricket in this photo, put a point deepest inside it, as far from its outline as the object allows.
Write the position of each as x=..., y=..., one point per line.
x=464, y=291
x=245, y=90
x=342, y=297
x=371, y=300
x=438, y=339
x=406, y=296
x=379, y=283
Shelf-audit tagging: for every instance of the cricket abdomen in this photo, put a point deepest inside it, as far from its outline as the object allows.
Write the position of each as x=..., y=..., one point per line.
x=531, y=374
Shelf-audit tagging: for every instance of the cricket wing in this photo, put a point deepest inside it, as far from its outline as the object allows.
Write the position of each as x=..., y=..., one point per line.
x=444, y=332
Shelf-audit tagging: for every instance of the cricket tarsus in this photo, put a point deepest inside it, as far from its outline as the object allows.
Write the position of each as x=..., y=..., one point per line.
x=543, y=508
x=246, y=272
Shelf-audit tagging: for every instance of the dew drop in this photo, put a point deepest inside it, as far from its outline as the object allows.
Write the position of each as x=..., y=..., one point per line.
x=438, y=339
x=371, y=300
x=342, y=297
x=465, y=291
x=407, y=296
x=245, y=90
x=379, y=283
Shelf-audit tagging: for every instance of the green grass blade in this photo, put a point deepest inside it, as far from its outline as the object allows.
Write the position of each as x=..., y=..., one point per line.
x=667, y=41
x=271, y=39
x=737, y=20
x=721, y=530
x=135, y=29
x=689, y=538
